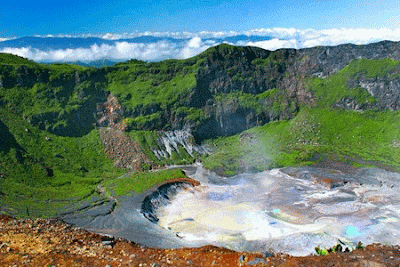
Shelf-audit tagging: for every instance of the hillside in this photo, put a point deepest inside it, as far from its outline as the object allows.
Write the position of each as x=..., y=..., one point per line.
x=233, y=108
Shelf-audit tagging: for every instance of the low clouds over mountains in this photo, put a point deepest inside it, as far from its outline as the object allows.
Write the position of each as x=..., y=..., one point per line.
x=157, y=46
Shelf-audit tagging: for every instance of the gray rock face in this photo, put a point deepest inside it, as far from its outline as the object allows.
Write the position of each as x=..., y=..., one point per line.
x=170, y=141
x=223, y=69
x=384, y=89
x=227, y=70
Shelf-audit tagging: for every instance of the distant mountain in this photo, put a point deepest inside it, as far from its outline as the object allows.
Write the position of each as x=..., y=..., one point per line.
x=107, y=52
x=54, y=43
x=95, y=63
x=240, y=39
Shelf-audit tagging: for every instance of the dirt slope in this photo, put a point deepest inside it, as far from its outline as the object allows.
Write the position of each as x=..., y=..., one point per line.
x=125, y=151
x=53, y=243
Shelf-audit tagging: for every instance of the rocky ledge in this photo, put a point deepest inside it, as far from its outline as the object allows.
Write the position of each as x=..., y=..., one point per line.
x=162, y=196
x=50, y=242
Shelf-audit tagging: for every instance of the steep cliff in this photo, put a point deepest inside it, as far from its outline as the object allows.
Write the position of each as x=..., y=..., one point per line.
x=229, y=89
x=222, y=91
x=302, y=100
x=59, y=98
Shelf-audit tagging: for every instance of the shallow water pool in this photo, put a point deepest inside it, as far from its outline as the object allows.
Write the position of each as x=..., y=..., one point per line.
x=286, y=213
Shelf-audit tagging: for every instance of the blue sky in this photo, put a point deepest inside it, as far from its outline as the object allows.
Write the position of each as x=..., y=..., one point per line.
x=191, y=26
x=21, y=18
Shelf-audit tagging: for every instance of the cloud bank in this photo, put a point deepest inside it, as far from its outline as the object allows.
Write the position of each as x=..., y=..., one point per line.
x=180, y=45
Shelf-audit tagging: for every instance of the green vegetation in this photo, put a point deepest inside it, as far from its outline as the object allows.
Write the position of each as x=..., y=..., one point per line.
x=335, y=88
x=190, y=114
x=152, y=89
x=51, y=155
x=223, y=48
x=141, y=181
x=148, y=141
x=8, y=59
x=255, y=149
x=257, y=102
x=336, y=249
x=367, y=138
x=372, y=68
x=137, y=83
x=273, y=59
x=50, y=97
x=322, y=252
x=42, y=172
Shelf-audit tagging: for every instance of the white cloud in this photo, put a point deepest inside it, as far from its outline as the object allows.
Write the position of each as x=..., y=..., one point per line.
x=194, y=47
x=188, y=44
x=274, y=44
x=293, y=38
x=355, y=36
x=119, y=51
x=336, y=36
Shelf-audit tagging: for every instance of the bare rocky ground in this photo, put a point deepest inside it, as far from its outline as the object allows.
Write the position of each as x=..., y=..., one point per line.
x=125, y=151
x=50, y=242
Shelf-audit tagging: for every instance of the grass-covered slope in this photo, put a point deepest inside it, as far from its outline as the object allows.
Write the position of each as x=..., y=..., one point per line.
x=59, y=98
x=41, y=172
x=152, y=94
x=140, y=84
x=284, y=114
x=368, y=136
x=344, y=85
x=225, y=85
x=15, y=60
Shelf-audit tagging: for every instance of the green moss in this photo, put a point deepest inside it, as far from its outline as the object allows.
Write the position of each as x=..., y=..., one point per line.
x=55, y=95
x=367, y=138
x=165, y=83
x=259, y=102
x=44, y=172
x=335, y=88
x=371, y=68
x=142, y=121
x=191, y=114
x=141, y=181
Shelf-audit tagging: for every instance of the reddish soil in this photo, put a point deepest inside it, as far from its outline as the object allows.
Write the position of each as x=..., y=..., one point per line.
x=125, y=151
x=187, y=180
x=49, y=242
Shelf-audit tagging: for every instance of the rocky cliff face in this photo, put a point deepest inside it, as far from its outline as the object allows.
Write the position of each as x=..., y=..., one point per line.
x=250, y=70
x=253, y=70
x=230, y=69
x=236, y=88
x=62, y=101
x=385, y=89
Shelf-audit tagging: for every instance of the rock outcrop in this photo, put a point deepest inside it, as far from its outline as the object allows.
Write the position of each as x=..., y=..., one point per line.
x=125, y=151
x=224, y=76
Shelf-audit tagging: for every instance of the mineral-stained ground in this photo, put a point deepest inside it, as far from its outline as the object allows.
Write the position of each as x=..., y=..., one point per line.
x=50, y=242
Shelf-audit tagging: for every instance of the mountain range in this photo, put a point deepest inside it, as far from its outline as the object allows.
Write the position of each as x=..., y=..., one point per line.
x=68, y=131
